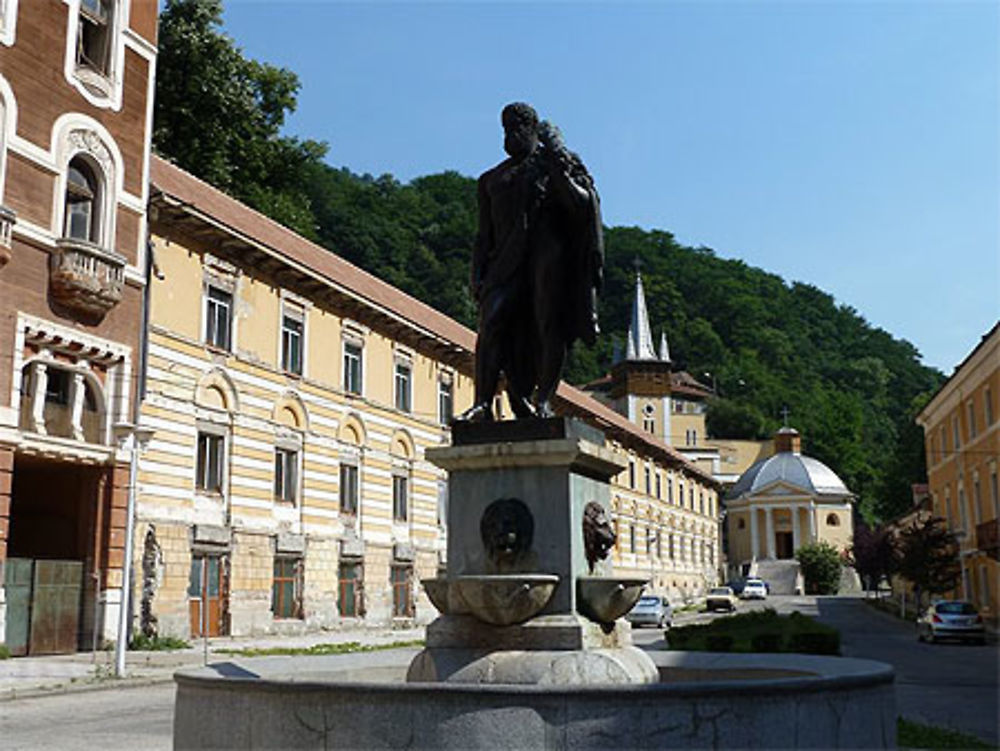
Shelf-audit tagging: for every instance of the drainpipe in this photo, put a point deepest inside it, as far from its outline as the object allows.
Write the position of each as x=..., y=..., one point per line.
x=137, y=435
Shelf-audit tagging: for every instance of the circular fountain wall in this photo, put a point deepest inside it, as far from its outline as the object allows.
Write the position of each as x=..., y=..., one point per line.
x=702, y=700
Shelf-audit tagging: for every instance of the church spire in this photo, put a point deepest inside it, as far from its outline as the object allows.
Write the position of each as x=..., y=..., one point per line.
x=664, y=349
x=640, y=337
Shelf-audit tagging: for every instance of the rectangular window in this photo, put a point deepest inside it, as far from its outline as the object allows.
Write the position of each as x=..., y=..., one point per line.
x=631, y=474
x=349, y=488
x=218, y=318
x=943, y=442
x=977, y=499
x=445, y=402
x=403, y=382
x=649, y=481
x=701, y=502
x=57, y=386
x=352, y=368
x=400, y=493
x=670, y=490
x=972, y=419
x=691, y=497
x=291, y=344
x=956, y=439
x=995, y=494
x=286, y=588
x=286, y=474
x=631, y=538
x=208, y=468
x=671, y=546
x=988, y=406
x=401, y=578
x=649, y=540
x=93, y=43
x=659, y=485
x=350, y=590
x=659, y=541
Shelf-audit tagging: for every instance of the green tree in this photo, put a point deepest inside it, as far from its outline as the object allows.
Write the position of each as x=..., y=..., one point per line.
x=219, y=115
x=820, y=564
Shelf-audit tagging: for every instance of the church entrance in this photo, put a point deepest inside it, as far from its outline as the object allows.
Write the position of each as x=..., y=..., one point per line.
x=783, y=545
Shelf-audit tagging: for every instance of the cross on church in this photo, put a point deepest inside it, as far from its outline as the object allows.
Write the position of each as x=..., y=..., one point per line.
x=784, y=415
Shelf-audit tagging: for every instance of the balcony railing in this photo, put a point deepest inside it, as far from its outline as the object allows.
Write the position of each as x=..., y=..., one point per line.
x=988, y=537
x=7, y=219
x=85, y=277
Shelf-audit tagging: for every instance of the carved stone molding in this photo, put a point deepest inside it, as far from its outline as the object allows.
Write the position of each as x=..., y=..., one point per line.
x=89, y=142
x=86, y=277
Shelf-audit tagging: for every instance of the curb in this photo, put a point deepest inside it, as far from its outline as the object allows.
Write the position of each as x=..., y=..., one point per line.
x=61, y=689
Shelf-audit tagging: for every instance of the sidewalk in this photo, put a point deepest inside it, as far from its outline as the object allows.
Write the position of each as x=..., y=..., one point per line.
x=22, y=677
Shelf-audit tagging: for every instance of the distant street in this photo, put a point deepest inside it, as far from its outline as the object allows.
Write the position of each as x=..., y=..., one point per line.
x=952, y=685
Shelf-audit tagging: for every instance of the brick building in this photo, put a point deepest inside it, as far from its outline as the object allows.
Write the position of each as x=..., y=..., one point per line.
x=76, y=86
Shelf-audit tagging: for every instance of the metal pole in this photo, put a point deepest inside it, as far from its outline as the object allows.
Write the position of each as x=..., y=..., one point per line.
x=121, y=645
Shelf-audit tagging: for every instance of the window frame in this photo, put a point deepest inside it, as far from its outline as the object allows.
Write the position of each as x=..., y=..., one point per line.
x=287, y=474
x=349, y=503
x=296, y=580
x=89, y=195
x=352, y=359
x=357, y=582
x=211, y=307
x=402, y=385
x=292, y=343
x=99, y=83
x=446, y=401
x=208, y=442
x=401, y=584
x=400, y=498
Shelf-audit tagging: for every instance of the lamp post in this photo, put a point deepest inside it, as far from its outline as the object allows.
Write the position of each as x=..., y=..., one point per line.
x=137, y=438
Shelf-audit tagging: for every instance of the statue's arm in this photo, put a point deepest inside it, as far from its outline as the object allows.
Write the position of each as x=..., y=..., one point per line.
x=570, y=191
x=483, y=248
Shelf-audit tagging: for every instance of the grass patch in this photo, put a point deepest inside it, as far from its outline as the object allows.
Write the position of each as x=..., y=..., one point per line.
x=143, y=643
x=338, y=648
x=4, y=652
x=759, y=631
x=915, y=735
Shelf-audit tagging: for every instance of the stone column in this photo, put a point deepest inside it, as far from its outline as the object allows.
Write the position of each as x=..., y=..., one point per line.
x=769, y=531
x=39, y=383
x=795, y=527
x=754, y=537
x=77, y=390
x=812, y=521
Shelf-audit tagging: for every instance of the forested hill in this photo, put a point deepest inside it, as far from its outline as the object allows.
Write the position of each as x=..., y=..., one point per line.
x=852, y=390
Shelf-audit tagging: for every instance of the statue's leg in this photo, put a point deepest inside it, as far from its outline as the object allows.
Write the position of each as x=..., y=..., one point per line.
x=489, y=355
x=549, y=302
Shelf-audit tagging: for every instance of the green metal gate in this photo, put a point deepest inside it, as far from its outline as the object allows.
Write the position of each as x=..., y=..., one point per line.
x=17, y=583
x=43, y=605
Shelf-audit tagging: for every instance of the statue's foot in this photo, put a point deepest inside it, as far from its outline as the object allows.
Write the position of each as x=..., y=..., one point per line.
x=544, y=409
x=521, y=407
x=476, y=413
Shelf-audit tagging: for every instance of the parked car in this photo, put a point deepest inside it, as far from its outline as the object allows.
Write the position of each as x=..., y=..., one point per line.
x=736, y=585
x=754, y=589
x=651, y=610
x=721, y=598
x=951, y=619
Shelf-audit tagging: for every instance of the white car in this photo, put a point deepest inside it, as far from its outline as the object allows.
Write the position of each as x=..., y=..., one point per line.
x=754, y=589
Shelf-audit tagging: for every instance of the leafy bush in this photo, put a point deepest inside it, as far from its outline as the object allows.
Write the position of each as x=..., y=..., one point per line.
x=719, y=642
x=815, y=642
x=4, y=652
x=143, y=643
x=820, y=564
x=766, y=642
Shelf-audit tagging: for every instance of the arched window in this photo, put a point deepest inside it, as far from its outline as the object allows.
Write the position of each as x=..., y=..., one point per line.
x=832, y=520
x=82, y=201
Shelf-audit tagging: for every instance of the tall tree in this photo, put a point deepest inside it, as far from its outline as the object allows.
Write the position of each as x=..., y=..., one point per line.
x=219, y=115
x=928, y=557
x=873, y=553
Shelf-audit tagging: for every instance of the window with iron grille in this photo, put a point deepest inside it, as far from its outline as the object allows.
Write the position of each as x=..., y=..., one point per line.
x=445, y=402
x=218, y=318
x=286, y=474
x=400, y=498
x=401, y=578
x=291, y=344
x=286, y=587
x=402, y=385
x=352, y=368
x=350, y=590
x=349, y=490
x=209, y=464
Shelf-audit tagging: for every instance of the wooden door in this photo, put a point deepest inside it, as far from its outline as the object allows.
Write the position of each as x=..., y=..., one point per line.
x=205, y=595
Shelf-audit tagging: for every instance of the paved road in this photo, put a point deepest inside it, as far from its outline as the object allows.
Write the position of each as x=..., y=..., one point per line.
x=952, y=685
x=120, y=719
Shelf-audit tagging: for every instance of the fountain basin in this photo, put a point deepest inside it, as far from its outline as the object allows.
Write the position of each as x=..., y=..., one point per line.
x=504, y=599
x=606, y=599
x=702, y=700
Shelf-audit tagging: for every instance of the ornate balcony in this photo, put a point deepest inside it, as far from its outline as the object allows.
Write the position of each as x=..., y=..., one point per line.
x=988, y=538
x=86, y=277
x=7, y=219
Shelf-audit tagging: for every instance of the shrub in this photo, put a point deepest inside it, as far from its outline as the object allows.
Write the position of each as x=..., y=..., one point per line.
x=815, y=642
x=4, y=652
x=767, y=642
x=820, y=563
x=678, y=638
x=719, y=642
x=141, y=642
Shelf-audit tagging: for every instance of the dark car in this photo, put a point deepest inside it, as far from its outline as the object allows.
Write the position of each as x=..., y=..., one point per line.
x=737, y=586
x=951, y=619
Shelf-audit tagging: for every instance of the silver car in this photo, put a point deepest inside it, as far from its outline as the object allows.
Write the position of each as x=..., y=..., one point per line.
x=951, y=619
x=651, y=610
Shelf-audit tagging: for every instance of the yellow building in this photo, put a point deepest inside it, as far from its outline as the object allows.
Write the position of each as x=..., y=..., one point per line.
x=780, y=503
x=292, y=397
x=962, y=443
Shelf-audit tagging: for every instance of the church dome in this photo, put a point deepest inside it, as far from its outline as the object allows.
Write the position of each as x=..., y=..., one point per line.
x=790, y=468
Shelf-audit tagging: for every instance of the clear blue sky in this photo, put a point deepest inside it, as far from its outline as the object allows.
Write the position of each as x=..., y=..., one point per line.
x=851, y=145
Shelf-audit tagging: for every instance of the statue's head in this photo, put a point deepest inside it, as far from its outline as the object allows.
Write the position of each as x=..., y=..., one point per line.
x=598, y=535
x=520, y=126
x=506, y=528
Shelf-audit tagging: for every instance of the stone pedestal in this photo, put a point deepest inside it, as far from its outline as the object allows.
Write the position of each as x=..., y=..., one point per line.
x=518, y=491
